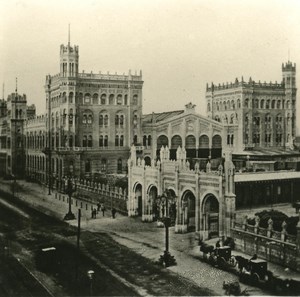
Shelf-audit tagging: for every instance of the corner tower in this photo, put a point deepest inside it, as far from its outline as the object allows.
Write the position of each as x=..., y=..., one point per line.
x=69, y=59
x=289, y=74
x=289, y=105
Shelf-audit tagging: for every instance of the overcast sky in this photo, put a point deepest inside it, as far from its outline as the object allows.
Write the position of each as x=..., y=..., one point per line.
x=179, y=45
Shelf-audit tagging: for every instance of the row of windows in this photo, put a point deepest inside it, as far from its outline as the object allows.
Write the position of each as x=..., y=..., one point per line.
x=40, y=163
x=268, y=137
x=87, y=119
x=87, y=98
x=255, y=103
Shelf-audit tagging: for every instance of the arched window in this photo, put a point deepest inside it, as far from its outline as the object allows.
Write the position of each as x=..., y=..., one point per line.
x=84, y=119
x=90, y=141
x=103, y=99
x=111, y=99
x=126, y=99
x=71, y=96
x=101, y=143
x=89, y=120
x=267, y=104
x=117, y=120
x=106, y=141
x=273, y=104
x=106, y=120
x=121, y=140
x=149, y=140
x=101, y=120
x=135, y=139
x=278, y=104
x=135, y=121
x=232, y=104
x=117, y=140
x=262, y=103
x=238, y=103
x=247, y=103
x=87, y=98
x=119, y=99
x=84, y=141
x=95, y=98
x=145, y=140
x=121, y=121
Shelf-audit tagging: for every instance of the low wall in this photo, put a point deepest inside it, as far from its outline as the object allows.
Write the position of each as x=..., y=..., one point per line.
x=267, y=245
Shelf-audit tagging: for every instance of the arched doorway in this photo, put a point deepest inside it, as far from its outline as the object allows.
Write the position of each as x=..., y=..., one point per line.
x=161, y=141
x=210, y=210
x=138, y=196
x=176, y=141
x=188, y=204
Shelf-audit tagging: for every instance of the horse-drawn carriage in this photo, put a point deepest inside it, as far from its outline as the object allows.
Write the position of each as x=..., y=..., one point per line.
x=255, y=270
x=219, y=256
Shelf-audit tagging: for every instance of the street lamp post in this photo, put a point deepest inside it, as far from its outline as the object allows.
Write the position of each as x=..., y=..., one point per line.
x=69, y=190
x=90, y=274
x=166, y=258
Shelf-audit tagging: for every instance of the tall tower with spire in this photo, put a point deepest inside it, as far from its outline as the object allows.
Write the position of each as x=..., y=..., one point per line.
x=69, y=59
x=17, y=112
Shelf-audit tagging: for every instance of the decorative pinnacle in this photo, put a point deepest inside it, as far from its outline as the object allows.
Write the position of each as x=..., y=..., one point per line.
x=16, y=85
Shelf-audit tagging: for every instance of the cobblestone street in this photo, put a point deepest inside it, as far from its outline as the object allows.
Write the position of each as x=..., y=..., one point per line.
x=144, y=238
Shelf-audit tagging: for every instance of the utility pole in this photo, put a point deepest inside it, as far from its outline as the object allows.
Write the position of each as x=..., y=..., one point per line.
x=78, y=242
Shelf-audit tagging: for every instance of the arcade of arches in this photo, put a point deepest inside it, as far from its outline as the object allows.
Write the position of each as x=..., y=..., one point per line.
x=194, y=149
x=182, y=211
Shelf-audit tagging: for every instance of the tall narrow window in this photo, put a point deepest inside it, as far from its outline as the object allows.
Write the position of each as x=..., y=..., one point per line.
x=106, y=141
x=101, y=120
x=101, y=141
x=90, y=141
x=84, y=141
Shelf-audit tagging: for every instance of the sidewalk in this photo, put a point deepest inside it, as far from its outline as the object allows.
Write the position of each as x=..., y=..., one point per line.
x=144, y=238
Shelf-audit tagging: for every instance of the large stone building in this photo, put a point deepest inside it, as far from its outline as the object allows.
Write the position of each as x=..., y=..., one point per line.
x=90, y=123
x=259, y=118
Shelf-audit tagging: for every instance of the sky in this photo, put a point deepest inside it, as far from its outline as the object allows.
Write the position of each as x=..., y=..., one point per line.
x=180, y=45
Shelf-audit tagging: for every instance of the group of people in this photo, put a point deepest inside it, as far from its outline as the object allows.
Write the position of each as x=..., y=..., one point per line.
x=101, y=207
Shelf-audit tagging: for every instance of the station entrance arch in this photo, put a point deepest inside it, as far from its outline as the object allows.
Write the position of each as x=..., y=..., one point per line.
x=210, y=210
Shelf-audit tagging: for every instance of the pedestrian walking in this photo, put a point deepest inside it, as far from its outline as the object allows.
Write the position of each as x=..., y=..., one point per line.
x=103, y=209
x=98, y=207
x=113, y=212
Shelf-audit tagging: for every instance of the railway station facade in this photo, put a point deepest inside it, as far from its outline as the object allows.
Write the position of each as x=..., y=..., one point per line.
x=93, y=124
